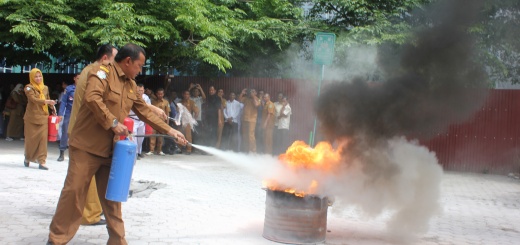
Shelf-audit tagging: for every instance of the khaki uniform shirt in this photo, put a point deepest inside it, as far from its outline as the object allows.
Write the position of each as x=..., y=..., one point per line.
x=163, y=105
x=190, y=106
x=34, y=112
x=81, y=85
x=109, y=95
x=250, y=111
x=268, y=109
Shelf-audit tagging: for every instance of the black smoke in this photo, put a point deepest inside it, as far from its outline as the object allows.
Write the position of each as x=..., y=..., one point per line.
x=430, y=83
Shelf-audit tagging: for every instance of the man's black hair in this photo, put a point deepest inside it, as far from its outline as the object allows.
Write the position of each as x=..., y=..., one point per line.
x=140, y=85
x=129, y=50
x=105, y=49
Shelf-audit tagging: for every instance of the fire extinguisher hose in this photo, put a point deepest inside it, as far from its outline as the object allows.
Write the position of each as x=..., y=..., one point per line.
x=158, y=135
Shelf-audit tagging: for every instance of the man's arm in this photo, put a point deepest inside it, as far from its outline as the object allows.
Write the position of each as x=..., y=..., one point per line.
x=158, y=111
x=143, y=111
x=63, y=104
x=202, y=94
x=256, y=100
x=94, y=100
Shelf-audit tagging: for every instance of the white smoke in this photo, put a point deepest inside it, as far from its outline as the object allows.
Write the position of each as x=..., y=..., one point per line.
x=401, y=178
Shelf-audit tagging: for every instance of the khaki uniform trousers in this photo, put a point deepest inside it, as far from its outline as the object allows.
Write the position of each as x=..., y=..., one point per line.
x=268, y=139
x=248, y=135
x=67, y=219
x=187, y=135
x=92, y=211
x=159, y=143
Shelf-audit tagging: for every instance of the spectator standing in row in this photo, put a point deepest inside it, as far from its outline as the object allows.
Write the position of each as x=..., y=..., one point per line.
x=64, y=113
x=192, y=108
x=16, y=109
x=249, y=117
x=268, y=124
x=139, y=127
x=198, y=96
x=213, y=116
x=169, y=146
x=283, y=119
x=164, y=105
x=231, y=116
x=259, y=130
x=36, y=120
x=5, y=92
x=220, y=94
x=150, y=94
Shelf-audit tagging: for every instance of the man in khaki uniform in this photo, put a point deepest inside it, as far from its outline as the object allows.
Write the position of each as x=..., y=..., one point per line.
x=109, y=96
x=250, y=112
x=105, y=55
x=220, y=94
x=189, y=104
x=164, y=105
x=268, y=124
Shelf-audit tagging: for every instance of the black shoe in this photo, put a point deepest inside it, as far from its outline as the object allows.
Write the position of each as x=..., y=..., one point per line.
x=188, y=153
x=61, y=158
x=100, y=222
x=26, y=163
x=49, y=243
x=43, y=167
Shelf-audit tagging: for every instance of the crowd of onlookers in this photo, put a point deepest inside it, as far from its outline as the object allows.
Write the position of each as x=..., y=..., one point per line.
x=246, y=120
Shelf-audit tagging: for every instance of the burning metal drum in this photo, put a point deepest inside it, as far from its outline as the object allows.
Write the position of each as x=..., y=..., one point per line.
x=295, y=220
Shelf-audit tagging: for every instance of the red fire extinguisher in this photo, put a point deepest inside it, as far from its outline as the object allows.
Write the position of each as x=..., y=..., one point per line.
x=129, y=123
x=54, y=126
x=148, y=129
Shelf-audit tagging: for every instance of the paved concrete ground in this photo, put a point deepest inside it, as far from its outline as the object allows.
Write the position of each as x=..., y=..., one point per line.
x=208, y=201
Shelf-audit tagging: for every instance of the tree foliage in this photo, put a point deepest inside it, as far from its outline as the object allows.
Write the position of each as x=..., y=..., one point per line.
x=181, y=34
x=241, y=37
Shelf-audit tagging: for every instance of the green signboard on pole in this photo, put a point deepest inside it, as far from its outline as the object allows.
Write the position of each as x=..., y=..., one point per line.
x=324, y=48
x=323, y=55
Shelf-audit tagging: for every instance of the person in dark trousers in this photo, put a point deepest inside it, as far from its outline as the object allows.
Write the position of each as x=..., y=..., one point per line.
x=213, y=113
x=64, y=113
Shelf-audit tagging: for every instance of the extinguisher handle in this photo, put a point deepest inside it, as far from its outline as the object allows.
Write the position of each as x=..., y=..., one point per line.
x=54, y=113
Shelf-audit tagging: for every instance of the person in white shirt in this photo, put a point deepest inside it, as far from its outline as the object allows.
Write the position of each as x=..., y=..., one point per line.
x=139, y=127
x=282, y=129
x=231, y=119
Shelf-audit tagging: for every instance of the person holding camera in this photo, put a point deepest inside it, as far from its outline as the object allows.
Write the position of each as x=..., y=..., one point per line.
x=249, y=115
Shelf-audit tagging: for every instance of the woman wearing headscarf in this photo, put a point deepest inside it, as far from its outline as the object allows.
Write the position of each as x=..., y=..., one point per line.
x=35, y=119
x=15, y=126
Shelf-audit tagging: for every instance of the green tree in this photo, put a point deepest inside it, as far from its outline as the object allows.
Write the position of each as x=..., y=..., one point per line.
x=181, y=34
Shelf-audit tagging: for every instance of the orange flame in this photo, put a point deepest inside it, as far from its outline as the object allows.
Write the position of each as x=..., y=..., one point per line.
x=300, y=156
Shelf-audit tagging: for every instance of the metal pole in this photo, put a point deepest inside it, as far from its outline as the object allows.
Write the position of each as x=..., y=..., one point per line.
x=315, y=117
